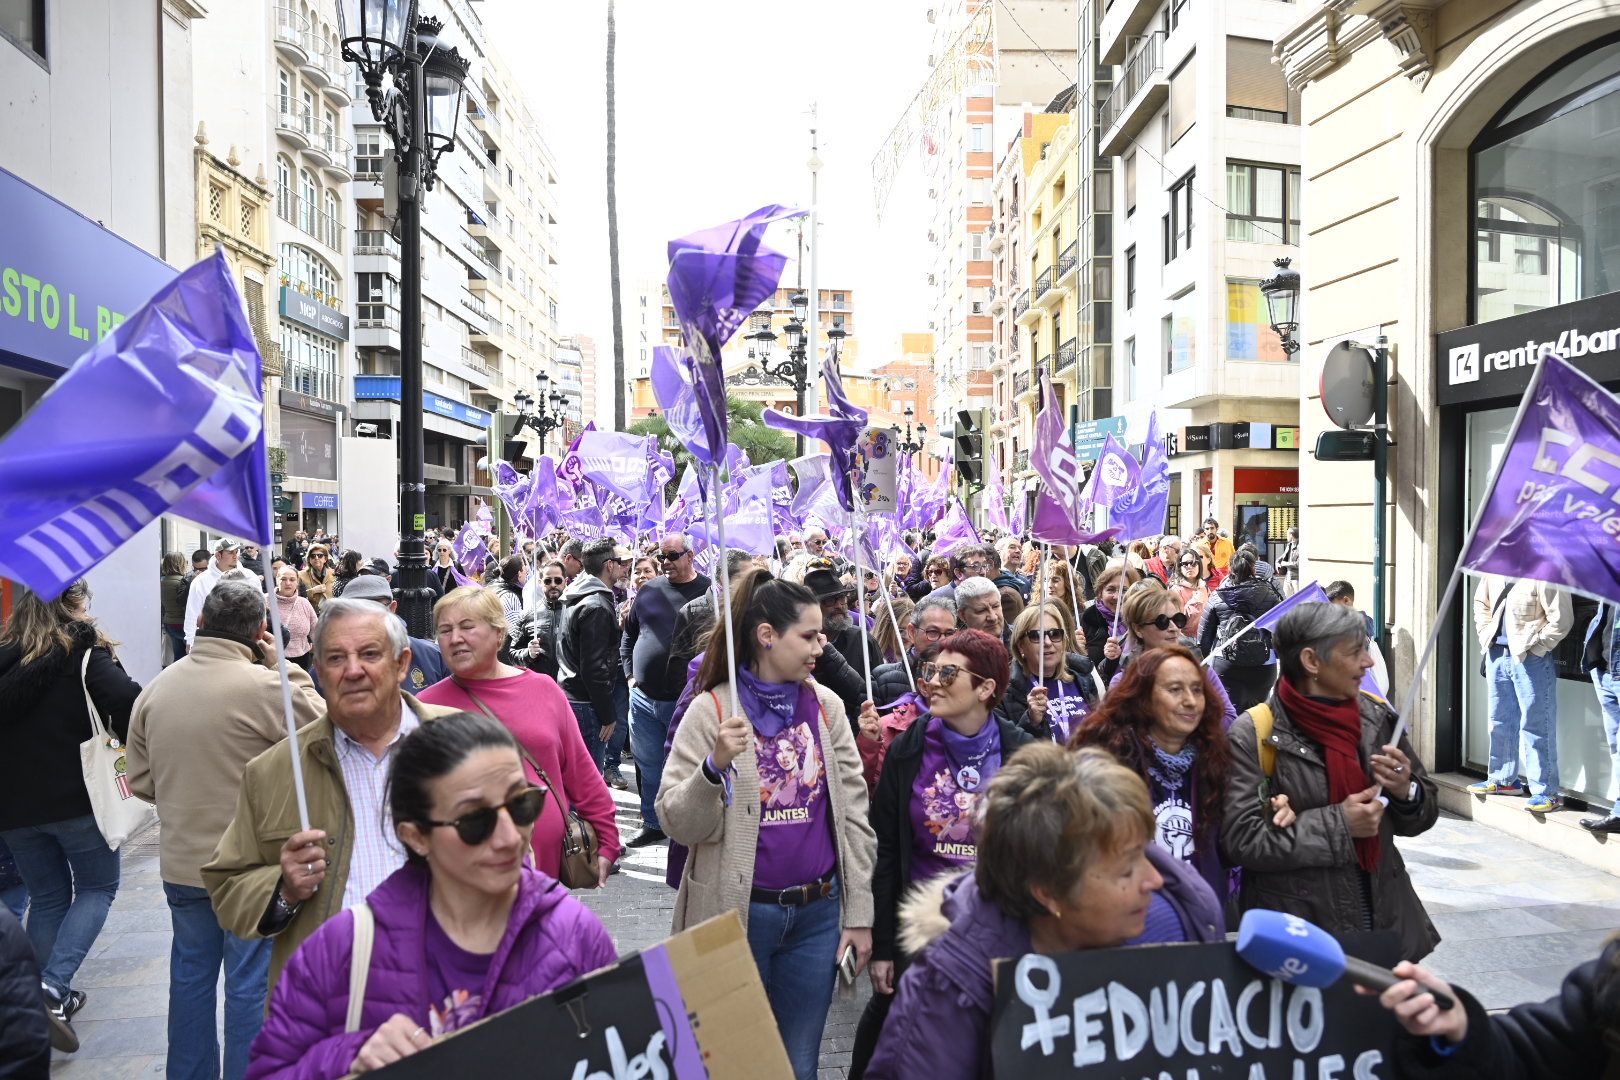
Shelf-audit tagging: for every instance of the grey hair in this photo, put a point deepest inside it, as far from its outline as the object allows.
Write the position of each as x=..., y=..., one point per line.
x=240, y=573
x=341, y=608
x=970, y=589
x=925, y=605
x=1319, y=626
x=235, y=608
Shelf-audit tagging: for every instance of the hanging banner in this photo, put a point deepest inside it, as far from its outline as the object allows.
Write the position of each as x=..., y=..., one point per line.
x=876, y=475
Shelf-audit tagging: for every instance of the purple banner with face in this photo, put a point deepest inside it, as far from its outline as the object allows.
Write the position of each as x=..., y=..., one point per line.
x=1142, y=512
x=1553, y=514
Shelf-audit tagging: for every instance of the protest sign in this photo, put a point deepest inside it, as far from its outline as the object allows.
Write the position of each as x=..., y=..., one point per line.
x=1176, y=1012
x=876, y=477
x=689, y=1008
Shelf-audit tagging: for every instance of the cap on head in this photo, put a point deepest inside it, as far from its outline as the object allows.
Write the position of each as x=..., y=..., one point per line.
x=369, y=587
x=226, y=545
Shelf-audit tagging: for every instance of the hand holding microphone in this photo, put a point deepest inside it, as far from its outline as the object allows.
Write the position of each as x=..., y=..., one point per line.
x=1289, y=948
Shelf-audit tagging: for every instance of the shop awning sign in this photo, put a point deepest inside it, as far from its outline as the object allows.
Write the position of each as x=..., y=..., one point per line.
x=1494, y=360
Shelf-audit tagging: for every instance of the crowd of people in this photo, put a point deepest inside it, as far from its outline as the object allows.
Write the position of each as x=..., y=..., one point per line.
x=1008, y=748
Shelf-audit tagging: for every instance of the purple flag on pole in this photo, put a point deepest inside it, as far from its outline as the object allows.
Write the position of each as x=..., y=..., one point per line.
x=995, y=504
x=1115, y=474
x=1051, y=523
x=1017, y=525
x=1552, y=515
x=840, y=430
x=811, y=472
x=749, y=525
x=469, y=548
x=1053, y=457
x=673, y=377
x=1142, y=512
x=619, y=463
x=687, y=505
x=955, y=529
x=163, y=415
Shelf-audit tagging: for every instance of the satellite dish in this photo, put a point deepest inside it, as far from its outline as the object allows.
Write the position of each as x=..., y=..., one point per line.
x=1347, y=385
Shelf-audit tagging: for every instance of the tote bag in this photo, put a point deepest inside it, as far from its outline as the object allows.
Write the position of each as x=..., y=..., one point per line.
x=119, y=814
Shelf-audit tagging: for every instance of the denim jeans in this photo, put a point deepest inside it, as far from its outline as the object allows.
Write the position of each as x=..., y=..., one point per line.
x=72, y=877
x=649, y=726
x=795, y=950
x=1608, y=695
x=1522, y=699
x=177, y=640
x=199, y=948
x=621, y=726
x=585, y=716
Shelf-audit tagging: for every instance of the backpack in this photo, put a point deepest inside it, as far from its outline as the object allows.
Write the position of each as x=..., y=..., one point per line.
x=1241, y=646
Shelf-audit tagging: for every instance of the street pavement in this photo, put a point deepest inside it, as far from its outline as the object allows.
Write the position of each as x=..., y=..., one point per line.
x=1514, y=918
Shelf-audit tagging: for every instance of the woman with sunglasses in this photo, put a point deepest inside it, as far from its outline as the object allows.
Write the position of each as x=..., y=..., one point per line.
x=1191, y=587
x=772, y=805
x=464, y=929
x=923, y=812
x=471, y=629
x=1151, y=621
x=1053, y=688
x=317, y=576
x=936, y=575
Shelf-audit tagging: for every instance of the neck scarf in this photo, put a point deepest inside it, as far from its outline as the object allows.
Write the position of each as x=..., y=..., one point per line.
x=1336, y=728
x=1170, y=770
x=1103, y=609
x=971, y=756
x=771, y=707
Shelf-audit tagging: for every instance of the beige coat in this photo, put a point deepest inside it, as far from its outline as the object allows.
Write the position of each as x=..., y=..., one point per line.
x=191, y=734
x=1537, y=616
x=723, y=839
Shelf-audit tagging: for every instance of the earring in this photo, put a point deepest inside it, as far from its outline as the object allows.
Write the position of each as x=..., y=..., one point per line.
x=768, y=646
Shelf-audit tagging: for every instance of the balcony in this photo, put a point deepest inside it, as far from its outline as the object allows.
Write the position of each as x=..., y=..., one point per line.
x=474, y=306
x=376, y=242
x=1020, y=383
x=295, y=123
x=1066, y=354
x=1067, y=264
x=334, y=152
x=998, y=302
x=301, y=212
x=316, y=65
x=1046, y=297
x=1137, y=97
x=376, y=326
x=998, y=238
x=292, y=34
x=316, y=382
x=1021, y=306
x=1124, y=20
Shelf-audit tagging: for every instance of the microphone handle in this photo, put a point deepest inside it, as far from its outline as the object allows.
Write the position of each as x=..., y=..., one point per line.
x=1380, y=979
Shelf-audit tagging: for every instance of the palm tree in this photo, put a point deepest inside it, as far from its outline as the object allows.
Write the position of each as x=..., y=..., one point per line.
x=747, y=432
x=619, y=383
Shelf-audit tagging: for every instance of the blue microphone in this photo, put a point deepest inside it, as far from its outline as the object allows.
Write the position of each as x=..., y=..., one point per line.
x=1299, y=952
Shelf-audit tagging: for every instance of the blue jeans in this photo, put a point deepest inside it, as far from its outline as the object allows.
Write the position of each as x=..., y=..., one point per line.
x=177, y=640
x=72, y=877
x=589, y=726
x=1607, y=685
x=795, y=950
x=1522, y=699
x=621, y=726
x=199, y=948
x=649, y=725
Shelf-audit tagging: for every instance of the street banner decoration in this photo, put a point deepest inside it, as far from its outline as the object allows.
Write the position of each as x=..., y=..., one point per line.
x=876, y=478
x=163, y=416
x=1184, y=1011
x=1144, y=510
x=1552, y=513
x=839, y=429
x=691, y=1008
x=955, y=529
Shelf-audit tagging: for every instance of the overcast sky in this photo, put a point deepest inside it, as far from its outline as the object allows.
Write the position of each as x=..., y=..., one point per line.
x=714, y=120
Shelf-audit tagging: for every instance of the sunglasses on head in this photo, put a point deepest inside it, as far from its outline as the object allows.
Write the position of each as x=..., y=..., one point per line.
x=945, y=674
x=672, y=556
x=479, y=825
x=1051, y=633
x=1163, y=621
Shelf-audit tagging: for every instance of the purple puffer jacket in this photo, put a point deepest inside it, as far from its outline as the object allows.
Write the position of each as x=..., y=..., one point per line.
x=551, y=939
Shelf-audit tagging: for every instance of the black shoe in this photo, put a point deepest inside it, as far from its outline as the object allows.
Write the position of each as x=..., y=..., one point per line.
x=1603, y=823
x=60, y=1014
x=647, y=838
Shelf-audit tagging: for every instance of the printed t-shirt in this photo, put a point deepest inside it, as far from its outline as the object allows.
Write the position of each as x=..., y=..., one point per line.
x=1066, y=708
x=954, y=771
x=455, y=980
x=796, y=843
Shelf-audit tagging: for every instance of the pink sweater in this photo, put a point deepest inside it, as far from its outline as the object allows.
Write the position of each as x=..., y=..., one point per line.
x=534, y=710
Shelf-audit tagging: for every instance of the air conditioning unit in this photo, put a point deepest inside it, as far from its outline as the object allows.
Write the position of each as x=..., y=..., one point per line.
x=932, y=279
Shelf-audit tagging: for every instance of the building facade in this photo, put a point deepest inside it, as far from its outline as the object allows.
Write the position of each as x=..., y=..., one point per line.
x=1479, y=143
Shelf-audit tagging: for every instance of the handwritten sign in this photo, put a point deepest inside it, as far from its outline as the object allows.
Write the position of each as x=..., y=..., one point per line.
x=1183, y=1012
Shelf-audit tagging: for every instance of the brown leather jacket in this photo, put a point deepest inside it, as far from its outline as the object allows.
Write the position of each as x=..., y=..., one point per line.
x=1309, y=869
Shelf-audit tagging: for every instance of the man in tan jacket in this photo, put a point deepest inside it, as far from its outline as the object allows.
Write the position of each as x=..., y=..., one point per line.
x=271, y=878
x=1518, y=624
x=191, y=734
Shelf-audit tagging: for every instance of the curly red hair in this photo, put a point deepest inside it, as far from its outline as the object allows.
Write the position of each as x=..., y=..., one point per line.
x=1121, y=724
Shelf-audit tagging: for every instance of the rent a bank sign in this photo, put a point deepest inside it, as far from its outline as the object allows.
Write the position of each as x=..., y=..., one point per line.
x=1494, y=360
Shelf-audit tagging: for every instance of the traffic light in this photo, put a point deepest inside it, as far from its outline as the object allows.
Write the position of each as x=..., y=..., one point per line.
x=279, y=499
x=969, y=436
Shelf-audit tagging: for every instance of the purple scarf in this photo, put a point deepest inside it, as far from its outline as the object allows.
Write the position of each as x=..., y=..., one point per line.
x=771, y=707
x=972, y=757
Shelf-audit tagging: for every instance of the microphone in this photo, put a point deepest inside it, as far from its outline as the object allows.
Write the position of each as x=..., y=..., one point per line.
x=1295, y=951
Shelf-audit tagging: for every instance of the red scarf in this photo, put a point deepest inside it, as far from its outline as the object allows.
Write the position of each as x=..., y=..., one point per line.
x=1336, y=728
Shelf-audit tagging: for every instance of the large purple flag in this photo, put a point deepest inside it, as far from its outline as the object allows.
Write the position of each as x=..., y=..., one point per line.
x=811, y=472
x=1053, y=457
x=1051, y=523
x=469, y=548
x=163, y=415
x=1142, y=511
x=619, y=463
x=1552, y=514
x=673, y=378
x=749, y=523
x=547, y=499
x=955, y=529
x=688, y=503
x=1115, y=474
x=995, y=504
x=839, y=430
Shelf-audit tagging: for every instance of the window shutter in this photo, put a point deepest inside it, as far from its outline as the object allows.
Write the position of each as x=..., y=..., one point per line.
x=1252, y=80
x=1181, y=99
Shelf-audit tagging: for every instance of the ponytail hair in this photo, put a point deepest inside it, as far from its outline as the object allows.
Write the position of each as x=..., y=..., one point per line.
x=756, y=597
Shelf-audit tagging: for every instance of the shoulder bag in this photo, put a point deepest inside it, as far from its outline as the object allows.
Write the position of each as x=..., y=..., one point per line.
x=119, y=814
x=365, y=931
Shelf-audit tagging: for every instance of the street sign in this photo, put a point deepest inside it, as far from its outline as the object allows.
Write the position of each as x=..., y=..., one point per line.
x=1089, y=435
x=1345, y=446
x=1347, y=385
x=278, y=478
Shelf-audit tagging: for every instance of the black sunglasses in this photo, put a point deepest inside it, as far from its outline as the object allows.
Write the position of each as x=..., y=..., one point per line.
x=672, y=556
x=945, y=674
x=1051, y=633
x=552, y=581
x=479, y=825
x=1163, y=621
x=1191, y=562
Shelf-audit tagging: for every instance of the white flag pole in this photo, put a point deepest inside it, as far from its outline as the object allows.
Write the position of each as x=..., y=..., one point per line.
x=900, y=637
x=855, y=523
x=1046, y=555
x=719, y=521
x=286, y=696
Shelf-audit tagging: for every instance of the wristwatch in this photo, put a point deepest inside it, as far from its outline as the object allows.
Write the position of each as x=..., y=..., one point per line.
x=283, y=910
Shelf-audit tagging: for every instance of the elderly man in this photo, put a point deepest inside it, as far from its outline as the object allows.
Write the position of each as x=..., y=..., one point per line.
x=427, y=666
x=931, y=620
x=271, y=878
x=192, y=733
x=649, y=628
x=1166, y=559
x=226, y=554
x=978, y=606
x=1009, y=566
x=841, y=631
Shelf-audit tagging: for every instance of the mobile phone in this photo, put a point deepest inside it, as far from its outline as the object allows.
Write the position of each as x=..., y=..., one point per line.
x=846, y=966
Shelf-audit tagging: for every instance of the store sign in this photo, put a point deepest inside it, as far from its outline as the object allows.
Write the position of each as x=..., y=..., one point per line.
x=1494, y=360
x=318, y=500
x=65, y=280
x=291, y=399
x=1229, y=436
x=307, y=311
x=1195, y=439
x=386, y=388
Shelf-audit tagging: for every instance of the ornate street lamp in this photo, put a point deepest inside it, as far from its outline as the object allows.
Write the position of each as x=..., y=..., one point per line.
x=794, y=368
x=908, y=445
x=1281, y=291
x=419, y=108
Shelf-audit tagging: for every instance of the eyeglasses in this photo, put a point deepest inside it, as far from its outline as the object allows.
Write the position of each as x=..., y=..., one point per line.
x=476, y=827
x=1191, y=562
x=672, y=556
x=1051, y=633
x=945, y=674
x=551, y=581
x=975, y=567
x=1163, y=621
x=932, y=633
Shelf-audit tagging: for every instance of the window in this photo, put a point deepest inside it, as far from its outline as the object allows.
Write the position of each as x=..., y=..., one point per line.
x=1178, y=223
x=368, y=153
x=284, y=84
x=1130, y=277
x=1249, y=335
x=378, y=297
x=1130, y=184
x=307, y=272
x=23, y=22
x=1173, y=14
x=1126, y=380
x=977, y=240
x=306, y=201
x=284, y=189
x=332, y=212
x=1180, y=333
x=1262, y=204
x=308, y=117
x=311, y=368
x=1181, y=99
x=979, y=138
x=1255, y=89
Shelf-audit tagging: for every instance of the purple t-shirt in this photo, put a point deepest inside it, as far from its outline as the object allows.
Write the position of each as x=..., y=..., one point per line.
x=795, y=819
x=1162, y=924
x=455, y=980
x=955, y=770
x=1066, y=708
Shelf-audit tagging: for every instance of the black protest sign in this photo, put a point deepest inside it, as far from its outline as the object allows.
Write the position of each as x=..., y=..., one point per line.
x=1181, y=1012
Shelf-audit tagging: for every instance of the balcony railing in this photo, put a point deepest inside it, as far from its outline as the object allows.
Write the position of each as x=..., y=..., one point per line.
x=302, y=213
x=375, y=242
x=1020, y=305
x=1139, y=70
x=1043, y=283
x=474, y=305
x=376, y=317
x=1067, y=260
x=316, y=382
x=1012, y=275
x=291, y=27
x=1044, y=363
x=1020, y=382
x=335, y=145
x=1021, y=461
x=295, y=118
x=1066, y=354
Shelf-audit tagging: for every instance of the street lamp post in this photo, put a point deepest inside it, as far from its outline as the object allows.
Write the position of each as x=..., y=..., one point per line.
x=795, y=368
x=419, y=109
x=908, y=445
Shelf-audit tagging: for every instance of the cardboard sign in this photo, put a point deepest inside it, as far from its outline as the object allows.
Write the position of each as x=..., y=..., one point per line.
x=690, y=1008
x=1180, y=1012
x=876, y=471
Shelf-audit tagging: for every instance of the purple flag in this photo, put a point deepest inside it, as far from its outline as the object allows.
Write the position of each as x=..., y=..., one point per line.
x=995, y=504
x=469, y=548
x=673, y=377
x=163, y=415
x=1551, y=514
x=1053, y=457
x=839, y=431
x=1115, y=474
x=811, y=471
x=1051, y=523
x=749, y=524
x=955, y=529
x=545, y=498
x=1017, y=526
x=1142, y=512
x=688, y=503
x=619, y=463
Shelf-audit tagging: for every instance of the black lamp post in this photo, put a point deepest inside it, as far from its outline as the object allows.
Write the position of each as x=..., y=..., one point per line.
x=1281, y=291
x=795, y=368
x=908, y=445
x=419, y=108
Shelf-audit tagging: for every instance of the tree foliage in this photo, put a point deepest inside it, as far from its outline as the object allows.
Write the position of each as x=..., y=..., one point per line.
x=748, y=432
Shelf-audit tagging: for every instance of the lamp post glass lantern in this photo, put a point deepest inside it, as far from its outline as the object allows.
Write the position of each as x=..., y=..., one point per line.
x=1281, y=291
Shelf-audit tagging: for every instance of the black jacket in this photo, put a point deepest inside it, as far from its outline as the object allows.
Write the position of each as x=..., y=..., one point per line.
x=1234, y=599
x=649, y=631
x=848, y=644
x=43, y=719
x=889, y=680
x=1016, y=701
x=25, y=1043
x=588, y=646
x=891, y=819
x=1096, y=628
x=543, y=629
